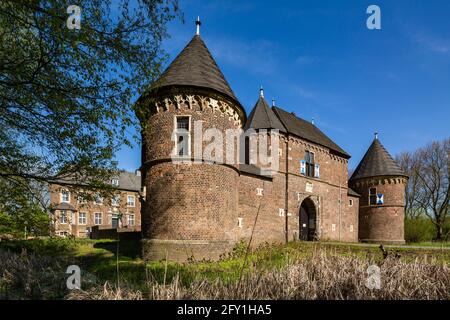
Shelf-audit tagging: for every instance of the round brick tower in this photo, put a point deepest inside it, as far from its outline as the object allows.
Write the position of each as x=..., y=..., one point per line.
x=381, y=184
x=191, y=202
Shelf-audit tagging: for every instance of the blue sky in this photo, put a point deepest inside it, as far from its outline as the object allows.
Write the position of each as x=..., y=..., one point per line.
x=318, y=59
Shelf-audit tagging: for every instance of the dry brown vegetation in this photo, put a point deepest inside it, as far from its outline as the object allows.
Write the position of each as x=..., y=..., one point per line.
x=324, y=276
x=322, y=273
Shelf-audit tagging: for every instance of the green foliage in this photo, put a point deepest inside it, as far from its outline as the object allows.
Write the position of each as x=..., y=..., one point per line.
x=419, y=230
x=20, y=212
x=66, y=95
x=422, y=229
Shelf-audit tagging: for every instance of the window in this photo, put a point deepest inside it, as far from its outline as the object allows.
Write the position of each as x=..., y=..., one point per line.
x=247, y=150
x=63, y=217
x=98, y=199
x=115, y=201
x=98, y=218
x=131, y=220
x=182, y=136
x=115, y=182
x=82, y=218
x=65, y=196
x=130, y=201
x=309, y=164
x=373, y=196
x=350, y=202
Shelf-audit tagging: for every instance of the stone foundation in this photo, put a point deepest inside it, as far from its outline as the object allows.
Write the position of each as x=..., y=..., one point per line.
x=182, y=250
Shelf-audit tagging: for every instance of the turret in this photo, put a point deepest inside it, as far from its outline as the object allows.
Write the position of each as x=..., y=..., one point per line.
x=191, y=204
x=381, y=184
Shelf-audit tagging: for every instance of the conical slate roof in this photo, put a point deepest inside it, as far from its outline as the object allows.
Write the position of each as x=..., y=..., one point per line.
x=376, y=162
x=262, y=117
x=195, y=66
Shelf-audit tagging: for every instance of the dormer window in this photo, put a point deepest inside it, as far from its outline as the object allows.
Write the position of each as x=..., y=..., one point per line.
x=182, y=136
x=115, y=182
x=65, y=196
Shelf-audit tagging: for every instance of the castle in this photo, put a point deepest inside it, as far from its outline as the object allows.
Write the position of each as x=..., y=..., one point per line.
x=201, y=208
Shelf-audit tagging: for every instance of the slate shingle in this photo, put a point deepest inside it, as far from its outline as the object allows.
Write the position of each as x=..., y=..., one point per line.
x=306, y=130
x=195, y=66
x=376, y=162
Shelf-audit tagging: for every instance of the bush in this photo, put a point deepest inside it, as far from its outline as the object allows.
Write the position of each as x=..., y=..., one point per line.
x=419, y=230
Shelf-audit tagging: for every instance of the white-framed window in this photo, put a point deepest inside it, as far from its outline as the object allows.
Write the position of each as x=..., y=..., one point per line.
x=65, y=196
x=98, y=199
x=281, y=212
x=115, y=182
x=82, y=218
x=131, y=201
x=98, y=218
x=131, y=220
x=350, y=202
x=115, y=201
x=259, y=191
x=182, y=136
x=63, y=217
x=81, y=199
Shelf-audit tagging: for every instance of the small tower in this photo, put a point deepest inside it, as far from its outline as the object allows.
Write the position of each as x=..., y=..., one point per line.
x=381, y=184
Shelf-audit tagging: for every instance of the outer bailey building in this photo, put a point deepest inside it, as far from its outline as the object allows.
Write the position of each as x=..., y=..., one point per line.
x=203, y=209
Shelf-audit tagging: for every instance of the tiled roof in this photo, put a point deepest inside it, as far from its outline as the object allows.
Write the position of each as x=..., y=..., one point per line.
x=127, y=181
x=306, y=130
x=262, y=117
x=195, y=66
x=64, y=206
x=353, y=193
x=376, y=162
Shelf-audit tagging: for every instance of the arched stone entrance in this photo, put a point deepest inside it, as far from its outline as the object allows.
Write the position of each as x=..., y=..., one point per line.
x=307, y=220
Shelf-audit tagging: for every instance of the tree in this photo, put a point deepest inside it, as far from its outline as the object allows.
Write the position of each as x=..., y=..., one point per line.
x=409, y=162
x=428, y=190
x=66, y=94
x=21, y=214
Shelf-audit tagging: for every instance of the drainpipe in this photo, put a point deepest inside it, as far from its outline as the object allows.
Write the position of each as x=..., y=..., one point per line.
x=286, y=195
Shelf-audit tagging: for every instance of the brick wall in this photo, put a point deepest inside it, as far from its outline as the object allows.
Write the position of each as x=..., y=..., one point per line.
x=382, y=223
x=73, y=227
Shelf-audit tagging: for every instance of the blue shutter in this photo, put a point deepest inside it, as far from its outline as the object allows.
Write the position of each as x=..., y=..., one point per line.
x=302, y=166
x=380, y=198
x=317, y=171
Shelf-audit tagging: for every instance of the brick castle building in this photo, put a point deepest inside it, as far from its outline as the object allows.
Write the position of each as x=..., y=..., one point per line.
x=201, y=207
